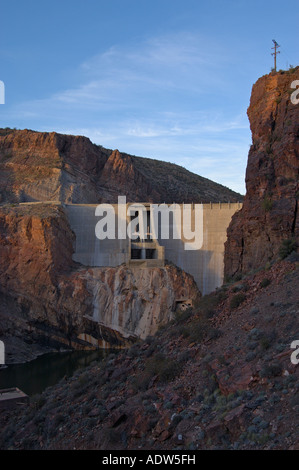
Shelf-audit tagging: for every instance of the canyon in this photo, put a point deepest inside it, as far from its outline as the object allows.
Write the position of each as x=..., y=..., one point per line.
x=48, y=300
x=215, y=376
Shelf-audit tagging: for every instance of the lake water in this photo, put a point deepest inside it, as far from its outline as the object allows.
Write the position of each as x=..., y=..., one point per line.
x=34, y=376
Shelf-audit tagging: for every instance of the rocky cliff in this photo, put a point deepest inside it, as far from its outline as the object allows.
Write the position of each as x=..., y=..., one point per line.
x=36, y=166
x=270, y=210
x=47, y=298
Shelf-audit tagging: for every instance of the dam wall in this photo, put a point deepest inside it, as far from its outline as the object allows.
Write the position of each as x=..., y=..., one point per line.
x=206, y=264
x=89, y=250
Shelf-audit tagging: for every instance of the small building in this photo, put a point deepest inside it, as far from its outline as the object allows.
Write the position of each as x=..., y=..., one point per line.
x=12, y=398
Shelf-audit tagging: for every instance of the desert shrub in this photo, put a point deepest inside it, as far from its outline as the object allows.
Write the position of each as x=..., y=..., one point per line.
x=250, y=356
x=237, y=288
x=159, y=365
x=184, y=356
x=6, y=130
x=38, y=401
x=198, y=330
x=267, y=204
x=166, y=369
x=59, y=419
x=287, y=247
x=292, y=70
x=293, y=257
x=264, y=343
x=271, y=370
x=184, y=331
x=152, y=348
x=182, y=316
x=134, y=350
x=237, y=300
x=265, y=282
x=208, y=303
x=255, y=334
x=113, y=436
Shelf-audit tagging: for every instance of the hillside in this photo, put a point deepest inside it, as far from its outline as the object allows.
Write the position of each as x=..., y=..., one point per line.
x=217, y=377
x=36, y=166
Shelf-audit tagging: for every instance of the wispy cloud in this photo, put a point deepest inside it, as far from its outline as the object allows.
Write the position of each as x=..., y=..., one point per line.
x=161, y=98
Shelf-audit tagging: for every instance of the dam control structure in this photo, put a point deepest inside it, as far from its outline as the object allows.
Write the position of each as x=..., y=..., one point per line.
x=205, y=264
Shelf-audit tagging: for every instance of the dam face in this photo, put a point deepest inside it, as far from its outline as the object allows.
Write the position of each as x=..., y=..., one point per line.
x=206, y=264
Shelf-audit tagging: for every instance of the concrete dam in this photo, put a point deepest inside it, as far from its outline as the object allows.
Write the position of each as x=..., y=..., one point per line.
x=205, y=264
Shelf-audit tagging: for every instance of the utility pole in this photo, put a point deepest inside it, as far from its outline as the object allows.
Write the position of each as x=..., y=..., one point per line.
x=276, y=46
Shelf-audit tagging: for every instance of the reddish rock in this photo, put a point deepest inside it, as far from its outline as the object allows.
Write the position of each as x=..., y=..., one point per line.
x=40, y=166
x=233, y=377
x=60, y=301
x=235, y=420
x=270, y=209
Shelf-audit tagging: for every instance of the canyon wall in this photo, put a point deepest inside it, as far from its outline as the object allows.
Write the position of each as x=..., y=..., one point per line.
x=47, y=298
x=270, y=210
x=40, y=166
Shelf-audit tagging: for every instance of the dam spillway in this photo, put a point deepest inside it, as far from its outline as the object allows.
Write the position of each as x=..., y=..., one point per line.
x=206, y=264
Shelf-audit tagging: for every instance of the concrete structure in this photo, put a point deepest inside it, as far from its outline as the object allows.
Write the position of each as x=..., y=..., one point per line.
x=12, y=397
x=206, y=264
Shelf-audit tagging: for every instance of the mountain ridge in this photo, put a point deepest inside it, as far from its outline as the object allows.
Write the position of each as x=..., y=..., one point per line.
x=40, y=166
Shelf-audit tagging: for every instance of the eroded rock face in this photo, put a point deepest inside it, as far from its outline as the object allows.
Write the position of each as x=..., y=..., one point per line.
x=270, y=209
x=57, y=301
x=137, y=300
x=37, y=166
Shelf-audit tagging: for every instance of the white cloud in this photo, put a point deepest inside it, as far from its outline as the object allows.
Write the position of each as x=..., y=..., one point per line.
x=155, y=99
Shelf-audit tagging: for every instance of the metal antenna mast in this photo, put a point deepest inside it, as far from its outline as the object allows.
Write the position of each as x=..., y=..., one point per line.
x=276, y=46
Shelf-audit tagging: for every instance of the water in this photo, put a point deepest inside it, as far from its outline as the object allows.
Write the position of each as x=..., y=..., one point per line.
x=33, y=377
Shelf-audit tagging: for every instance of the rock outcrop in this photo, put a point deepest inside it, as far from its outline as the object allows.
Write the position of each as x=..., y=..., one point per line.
x=36, y=166
x=57, y=301
x=45, y=296
x=270, y=210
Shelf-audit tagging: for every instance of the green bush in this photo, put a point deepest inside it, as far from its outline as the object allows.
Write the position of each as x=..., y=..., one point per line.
x=265, y=282
x=267, y=204
x=38, y=401
x=271, y=370
x=159, y=365
x=237, y=300
x=208, y=303
x=287, y=247
x=265, y=343
x=181, y=316
x=166, y=369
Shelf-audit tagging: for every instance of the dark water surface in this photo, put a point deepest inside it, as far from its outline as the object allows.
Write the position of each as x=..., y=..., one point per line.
x=33, y=377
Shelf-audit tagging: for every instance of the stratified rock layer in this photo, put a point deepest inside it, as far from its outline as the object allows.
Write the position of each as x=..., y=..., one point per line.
x=36, y=166
x=270, y=210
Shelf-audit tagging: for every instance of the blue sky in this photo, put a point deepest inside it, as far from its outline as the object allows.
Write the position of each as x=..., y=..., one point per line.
x=157, y=78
